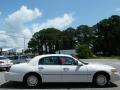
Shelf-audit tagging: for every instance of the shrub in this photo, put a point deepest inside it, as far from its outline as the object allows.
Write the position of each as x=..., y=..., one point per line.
x=83, y=51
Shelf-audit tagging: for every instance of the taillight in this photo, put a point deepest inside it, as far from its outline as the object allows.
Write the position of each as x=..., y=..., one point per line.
x=1, y=62
x=8, y=69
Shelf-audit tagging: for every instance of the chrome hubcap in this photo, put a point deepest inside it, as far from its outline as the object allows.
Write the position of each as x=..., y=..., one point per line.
x=101, y=80
x=32, y=80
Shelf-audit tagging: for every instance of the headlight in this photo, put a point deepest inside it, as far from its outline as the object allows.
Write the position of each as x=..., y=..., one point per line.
x=113, y=70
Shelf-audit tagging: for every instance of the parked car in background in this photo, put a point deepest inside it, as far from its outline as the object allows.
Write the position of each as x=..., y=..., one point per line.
x=60, y=68
x=16, y=59
x=5, y=63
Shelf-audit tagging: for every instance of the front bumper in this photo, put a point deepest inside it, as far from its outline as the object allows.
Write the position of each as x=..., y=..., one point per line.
x=10, y=76
x=115, y=77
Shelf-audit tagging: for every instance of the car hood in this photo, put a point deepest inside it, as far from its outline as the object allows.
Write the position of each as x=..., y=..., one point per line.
x=102, y=67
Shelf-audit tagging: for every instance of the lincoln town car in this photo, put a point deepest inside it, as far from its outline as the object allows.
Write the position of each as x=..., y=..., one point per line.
x=60, y=68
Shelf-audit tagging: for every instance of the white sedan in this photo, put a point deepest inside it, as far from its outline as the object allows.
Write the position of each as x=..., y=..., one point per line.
x=60, y=68
x=5, y=63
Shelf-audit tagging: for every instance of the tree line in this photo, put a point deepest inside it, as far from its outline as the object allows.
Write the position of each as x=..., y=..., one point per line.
x=102, y=38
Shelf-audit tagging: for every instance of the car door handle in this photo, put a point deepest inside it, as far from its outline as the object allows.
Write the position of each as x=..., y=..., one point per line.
x=40, y=68
x=66, y=69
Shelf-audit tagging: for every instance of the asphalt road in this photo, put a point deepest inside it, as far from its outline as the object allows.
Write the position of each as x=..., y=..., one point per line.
x=71, y=86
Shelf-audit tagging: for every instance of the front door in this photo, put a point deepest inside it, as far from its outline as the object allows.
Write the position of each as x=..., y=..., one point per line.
x=50, y=68
x=71, y=72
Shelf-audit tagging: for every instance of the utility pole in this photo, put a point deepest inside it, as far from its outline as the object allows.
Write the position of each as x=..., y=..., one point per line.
x=24, y=45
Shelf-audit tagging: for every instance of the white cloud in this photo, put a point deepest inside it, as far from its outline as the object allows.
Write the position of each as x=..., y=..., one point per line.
x=58, y=22
x=24, y=15
x=17, y=22
x=26, y=32
x=117, y=9
x=6, y=40
x=15, y=40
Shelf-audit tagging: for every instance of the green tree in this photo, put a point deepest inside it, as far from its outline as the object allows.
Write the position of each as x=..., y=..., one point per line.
x=67, y=38
x=83, y=51
x=45, y=41
x=107, y=36
x=84, y=35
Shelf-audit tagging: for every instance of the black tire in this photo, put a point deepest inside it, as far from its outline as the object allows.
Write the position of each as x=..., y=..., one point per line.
x=6, y=68
x=101, y=79
x=32, y=80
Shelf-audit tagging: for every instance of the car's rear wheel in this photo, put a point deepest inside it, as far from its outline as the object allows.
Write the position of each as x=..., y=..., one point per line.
x=32, y=80
x=101, y=80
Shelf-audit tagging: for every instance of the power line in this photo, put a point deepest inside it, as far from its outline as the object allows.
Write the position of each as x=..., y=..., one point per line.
x=20, y=36
x=16, y=35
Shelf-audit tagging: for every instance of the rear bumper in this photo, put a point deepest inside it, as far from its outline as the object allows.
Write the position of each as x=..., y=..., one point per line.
x=10, y=76
x=5, y=65
x=115, y=77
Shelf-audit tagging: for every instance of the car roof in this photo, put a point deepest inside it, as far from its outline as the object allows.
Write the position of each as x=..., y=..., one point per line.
x=34, y=61
x=46, y=55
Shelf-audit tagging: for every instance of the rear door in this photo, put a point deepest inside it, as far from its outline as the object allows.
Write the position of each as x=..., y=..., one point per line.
x=51, y=70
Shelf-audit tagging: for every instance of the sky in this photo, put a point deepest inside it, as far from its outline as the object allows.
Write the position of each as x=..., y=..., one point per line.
x=20, y=19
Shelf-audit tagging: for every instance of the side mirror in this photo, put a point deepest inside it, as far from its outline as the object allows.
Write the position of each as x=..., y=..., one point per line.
x=80, y=64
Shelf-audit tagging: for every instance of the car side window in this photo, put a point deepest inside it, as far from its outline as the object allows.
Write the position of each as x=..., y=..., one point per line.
x=53, y=60
x=67, y=61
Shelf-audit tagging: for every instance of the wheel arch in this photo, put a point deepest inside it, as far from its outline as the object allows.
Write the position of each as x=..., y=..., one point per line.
x=101, y=72
x=33, y=73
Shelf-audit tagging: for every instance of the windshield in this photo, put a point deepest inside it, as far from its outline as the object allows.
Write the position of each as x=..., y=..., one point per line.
x=83, y=62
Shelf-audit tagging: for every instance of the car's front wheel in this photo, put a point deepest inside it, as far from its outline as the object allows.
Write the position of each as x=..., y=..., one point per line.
x=101, y=80
x=32, y=80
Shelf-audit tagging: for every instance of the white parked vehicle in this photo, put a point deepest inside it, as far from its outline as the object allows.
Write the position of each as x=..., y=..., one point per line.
x=60, y=68
x=5, y=63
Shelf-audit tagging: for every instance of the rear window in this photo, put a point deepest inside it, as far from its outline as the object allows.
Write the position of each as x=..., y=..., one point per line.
x=52, y=60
